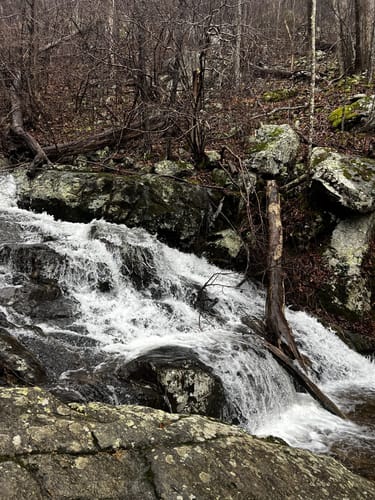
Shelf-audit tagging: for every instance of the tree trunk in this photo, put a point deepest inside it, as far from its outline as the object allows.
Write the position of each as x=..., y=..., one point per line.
x=237, y=51
x=304, y=380
x=358, y=61
x=17, y=123
x=278, y=331
x=279, y=337
x=313, y=75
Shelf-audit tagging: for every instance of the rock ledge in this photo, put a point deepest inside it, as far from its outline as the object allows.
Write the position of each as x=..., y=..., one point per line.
x=95, y=451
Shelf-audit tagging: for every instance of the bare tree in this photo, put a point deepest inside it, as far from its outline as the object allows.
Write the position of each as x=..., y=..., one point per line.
x=313, y=74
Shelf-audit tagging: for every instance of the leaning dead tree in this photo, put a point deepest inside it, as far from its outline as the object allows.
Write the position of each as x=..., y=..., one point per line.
x=279, y=336
x=277, y=327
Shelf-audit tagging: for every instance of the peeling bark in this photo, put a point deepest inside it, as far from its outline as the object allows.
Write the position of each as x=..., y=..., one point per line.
x=278, y=331
x=279, y=336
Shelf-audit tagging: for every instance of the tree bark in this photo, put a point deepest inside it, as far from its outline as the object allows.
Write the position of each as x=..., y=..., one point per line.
x=310, y=387
x=278, y=331
x=237, y=51
x=17, y=123
x=313, y=75
x=279, y=337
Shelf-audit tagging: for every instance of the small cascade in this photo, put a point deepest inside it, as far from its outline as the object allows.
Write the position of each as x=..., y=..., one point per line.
x=122, y=293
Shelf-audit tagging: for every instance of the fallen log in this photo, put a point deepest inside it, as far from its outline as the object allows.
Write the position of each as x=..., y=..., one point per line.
x=279, y=336
x=305, y=381
x=110, y=137
x=280, y=72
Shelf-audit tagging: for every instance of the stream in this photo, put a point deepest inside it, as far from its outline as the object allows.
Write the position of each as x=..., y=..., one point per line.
x=128, y=294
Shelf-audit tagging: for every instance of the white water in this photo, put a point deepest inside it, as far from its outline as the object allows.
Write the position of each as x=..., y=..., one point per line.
x=129, y=320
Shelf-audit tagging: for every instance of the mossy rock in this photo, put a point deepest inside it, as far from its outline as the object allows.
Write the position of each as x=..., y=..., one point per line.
x=272, y=149
x=352, y=114
x=53, y=450
x=177, y=212
x=174, y=168
x=279, y=95
x=345, y=183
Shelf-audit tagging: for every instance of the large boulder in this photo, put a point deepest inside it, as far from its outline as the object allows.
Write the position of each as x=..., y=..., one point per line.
x=349, y=290
x=50, y=449
x=173, y=378
x=34, y=290
x=177, y=212
x=272, y=150
x=345, y=183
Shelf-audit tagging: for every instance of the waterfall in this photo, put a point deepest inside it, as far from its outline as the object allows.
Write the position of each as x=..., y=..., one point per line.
x=133, y=293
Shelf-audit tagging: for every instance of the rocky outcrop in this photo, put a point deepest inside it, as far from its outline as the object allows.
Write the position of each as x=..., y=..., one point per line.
x=53, y=450
x=345, y=183
x=226, y=247
x=272, y=150
x=174, y=168
x=348, y=290
x=345, y=186
x=17, y=364
x=177, y=212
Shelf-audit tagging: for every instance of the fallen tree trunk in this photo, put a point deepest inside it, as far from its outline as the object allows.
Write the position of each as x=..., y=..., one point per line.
x=280, y=72
x=110, y=137
x=31, y=143
x=278, y=331
x=304, y=380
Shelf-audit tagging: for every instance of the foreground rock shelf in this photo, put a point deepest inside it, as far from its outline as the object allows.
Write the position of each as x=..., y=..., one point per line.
x=95, y=451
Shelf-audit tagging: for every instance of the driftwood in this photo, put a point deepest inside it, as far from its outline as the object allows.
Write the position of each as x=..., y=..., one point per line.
x=278, y=331
x=304, y=380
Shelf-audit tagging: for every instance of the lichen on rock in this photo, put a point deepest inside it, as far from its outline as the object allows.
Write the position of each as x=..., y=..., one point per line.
x=346, y=183
x=52, y=450
x=348, y=290
x=272, y=149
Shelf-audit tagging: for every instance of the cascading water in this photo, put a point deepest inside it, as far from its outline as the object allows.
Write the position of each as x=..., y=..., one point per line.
x=131, y=294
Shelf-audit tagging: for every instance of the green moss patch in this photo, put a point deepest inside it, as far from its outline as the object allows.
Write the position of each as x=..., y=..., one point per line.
x=279, y=95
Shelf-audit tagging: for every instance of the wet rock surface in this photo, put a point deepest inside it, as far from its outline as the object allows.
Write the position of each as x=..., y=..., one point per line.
x=177, y=212
x=53, y=450
x=172, y=378
x=17, y=364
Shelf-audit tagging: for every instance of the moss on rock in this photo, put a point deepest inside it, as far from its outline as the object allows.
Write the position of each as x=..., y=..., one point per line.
x=272, y=149
x=279, y=95
x=350, y=114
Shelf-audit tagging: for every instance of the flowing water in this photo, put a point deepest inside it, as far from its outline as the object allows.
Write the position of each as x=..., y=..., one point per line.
x=134, y=293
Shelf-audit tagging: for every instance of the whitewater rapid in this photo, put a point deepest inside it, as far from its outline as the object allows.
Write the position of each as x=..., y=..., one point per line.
x=151, y=301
